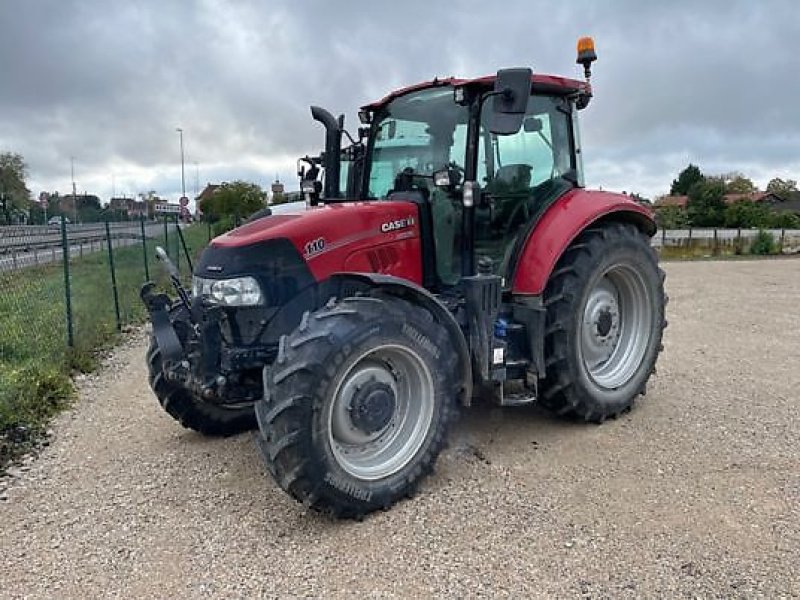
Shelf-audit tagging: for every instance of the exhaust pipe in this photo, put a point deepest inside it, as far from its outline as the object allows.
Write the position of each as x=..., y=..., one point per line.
x=333, y=146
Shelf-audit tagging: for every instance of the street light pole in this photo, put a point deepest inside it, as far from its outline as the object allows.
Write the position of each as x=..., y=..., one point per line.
x=74, y=191
x=183, y=174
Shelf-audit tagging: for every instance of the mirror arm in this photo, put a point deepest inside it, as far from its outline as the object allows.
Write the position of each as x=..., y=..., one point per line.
x=349, y=137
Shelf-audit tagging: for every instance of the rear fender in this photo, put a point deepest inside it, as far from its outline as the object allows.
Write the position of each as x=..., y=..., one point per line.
x=562, y=223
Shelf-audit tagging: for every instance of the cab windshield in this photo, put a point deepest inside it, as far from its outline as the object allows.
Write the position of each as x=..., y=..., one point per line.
x=421, y=131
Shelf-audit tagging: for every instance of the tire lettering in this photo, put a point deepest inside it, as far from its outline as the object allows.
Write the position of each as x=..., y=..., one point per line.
x=421, y=339
x=348, y=487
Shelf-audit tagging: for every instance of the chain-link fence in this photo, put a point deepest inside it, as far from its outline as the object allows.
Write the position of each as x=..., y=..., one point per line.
x=65, y=291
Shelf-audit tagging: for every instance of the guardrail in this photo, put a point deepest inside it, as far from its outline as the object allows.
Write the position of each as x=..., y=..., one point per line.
x=30, y=246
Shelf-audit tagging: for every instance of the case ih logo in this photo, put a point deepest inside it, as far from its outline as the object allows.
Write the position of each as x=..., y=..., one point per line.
x=398, y=224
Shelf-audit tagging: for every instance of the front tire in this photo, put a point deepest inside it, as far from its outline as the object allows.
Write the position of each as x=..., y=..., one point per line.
x=357, y=406
x=184, y=406
x=605, y=319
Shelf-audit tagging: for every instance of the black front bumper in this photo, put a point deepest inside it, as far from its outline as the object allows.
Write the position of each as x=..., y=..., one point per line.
x=203, y=351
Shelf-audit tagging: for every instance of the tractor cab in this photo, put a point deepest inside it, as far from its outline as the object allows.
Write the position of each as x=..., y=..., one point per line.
x=483, y=159
x=427, y=143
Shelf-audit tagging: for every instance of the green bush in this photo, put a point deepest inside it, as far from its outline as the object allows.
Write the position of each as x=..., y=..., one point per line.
x=29, y=397
x=224, y=225
x=785, y=220
x=764, y=243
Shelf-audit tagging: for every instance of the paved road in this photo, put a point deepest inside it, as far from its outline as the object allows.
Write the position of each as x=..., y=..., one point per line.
x=695, y=493
x=21, y=248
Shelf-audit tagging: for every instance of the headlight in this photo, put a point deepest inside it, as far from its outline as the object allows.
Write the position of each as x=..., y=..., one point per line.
x=239, y=291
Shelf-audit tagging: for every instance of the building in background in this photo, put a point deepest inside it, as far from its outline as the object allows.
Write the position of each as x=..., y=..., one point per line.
x=134, y=209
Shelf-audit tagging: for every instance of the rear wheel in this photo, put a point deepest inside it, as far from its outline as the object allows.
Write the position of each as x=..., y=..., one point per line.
x=357, y=405
x=605, y=318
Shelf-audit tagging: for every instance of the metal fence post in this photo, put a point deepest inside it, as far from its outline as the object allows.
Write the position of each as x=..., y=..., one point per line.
x=166, y=234
x=177, y=246
x=113, y=276
x=144, y=252
x=67, y=290
x=185, y=250
x=715, y=251
x=783, y=236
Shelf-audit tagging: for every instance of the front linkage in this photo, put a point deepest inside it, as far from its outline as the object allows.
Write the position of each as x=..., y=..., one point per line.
x=199, y=378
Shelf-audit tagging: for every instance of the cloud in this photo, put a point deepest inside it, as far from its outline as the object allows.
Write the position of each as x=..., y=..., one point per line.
x=108, y=82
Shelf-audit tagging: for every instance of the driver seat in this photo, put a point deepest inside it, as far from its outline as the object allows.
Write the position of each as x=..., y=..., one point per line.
x=510, y=187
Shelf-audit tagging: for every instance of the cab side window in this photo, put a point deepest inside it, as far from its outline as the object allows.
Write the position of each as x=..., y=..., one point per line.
x=515, y=171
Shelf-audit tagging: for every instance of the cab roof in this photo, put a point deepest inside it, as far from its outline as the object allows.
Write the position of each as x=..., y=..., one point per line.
x=545, y=84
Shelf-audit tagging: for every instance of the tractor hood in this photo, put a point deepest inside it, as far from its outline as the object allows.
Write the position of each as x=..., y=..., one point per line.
x=338, y=237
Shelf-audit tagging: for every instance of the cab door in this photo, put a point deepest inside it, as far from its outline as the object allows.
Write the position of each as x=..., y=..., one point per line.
x=521, y=175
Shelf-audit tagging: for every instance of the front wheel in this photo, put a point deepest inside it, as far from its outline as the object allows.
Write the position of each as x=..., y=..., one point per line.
x=191, y=411
x=186, y=407
x=357, y=405
x=605, y=319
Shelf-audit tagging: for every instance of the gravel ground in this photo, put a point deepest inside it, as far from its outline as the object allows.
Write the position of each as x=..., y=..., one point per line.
x=694, y=493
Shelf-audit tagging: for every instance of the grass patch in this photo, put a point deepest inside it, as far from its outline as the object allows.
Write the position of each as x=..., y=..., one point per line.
x=35, y=361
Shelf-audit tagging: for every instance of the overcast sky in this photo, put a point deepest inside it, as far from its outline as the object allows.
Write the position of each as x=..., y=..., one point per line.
x=716, y=83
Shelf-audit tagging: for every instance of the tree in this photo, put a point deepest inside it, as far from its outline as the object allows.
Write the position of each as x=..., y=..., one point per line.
x=736, y=183
x=14, y=194
x=278, y=198
x=785, y=220
x=782, y=188
x=747, y=214
x=686, y=179
x=672, y=217
x=234, y=201
x=89, y=210
x=706, y=206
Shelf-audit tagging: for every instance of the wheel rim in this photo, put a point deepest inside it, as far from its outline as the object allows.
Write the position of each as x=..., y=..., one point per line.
x=381, y=412
x=616, y=326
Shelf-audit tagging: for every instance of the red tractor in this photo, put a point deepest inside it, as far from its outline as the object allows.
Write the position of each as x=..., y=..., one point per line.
x=466, y=259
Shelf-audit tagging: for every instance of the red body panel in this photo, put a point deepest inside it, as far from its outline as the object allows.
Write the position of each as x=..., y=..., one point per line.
x=344, y=237
x=554, y=81
x=561, y=224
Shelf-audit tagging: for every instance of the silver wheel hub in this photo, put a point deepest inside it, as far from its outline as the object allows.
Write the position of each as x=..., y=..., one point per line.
x=615, y=328
x=381, y=412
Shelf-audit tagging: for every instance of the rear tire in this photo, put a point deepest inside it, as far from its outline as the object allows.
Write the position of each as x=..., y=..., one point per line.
x=605, y=319
x=357, y=405
x=184, y=406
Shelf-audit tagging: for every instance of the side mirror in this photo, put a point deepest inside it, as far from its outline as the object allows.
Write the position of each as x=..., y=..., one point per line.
x=512, y=88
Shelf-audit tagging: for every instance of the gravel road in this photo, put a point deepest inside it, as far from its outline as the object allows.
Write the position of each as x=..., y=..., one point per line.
x=694, y=493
